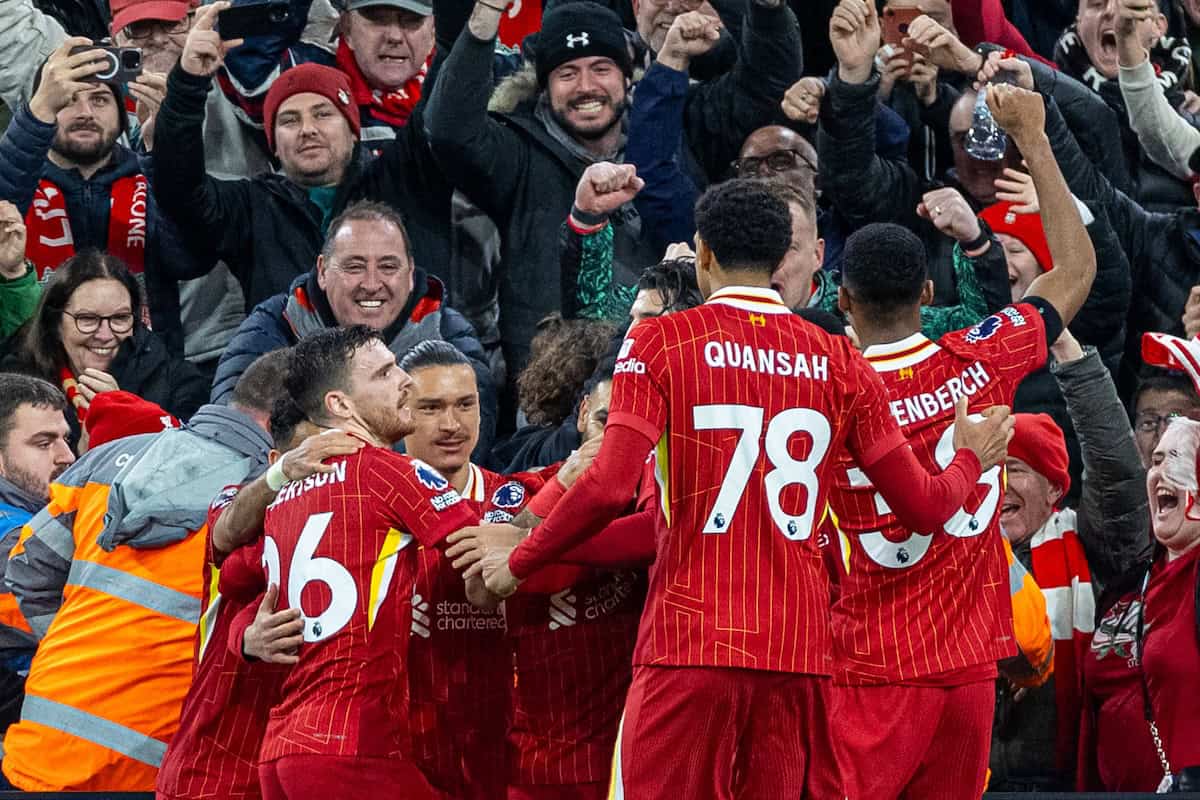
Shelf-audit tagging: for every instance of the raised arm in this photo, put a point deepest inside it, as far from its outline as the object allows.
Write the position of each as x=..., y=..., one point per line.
x=589, y=290
x=1022, y=114
x=479, y=155
x=1113, y=520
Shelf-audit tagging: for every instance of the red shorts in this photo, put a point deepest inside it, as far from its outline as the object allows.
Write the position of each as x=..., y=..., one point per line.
x=334, y=777
x=707, y=733
x=921, y=742
x=567, y=791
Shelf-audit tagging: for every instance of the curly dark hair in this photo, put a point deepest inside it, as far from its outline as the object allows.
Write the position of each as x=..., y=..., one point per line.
x=746, y=225
x=563, y=356
x=884, y=266
x=675, y=280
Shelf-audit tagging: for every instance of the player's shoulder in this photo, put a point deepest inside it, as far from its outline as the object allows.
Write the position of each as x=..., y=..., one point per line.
x=1017, y=319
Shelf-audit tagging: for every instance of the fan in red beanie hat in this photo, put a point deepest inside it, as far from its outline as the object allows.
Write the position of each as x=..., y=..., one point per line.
x=115, y=415
x=1038, y=475
x=1025, y=245
x=328, y=82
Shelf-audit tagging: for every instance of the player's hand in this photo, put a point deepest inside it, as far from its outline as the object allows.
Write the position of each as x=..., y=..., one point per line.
x=578, y=462
x=498, y=576
x=204, y=51
x=854, y=33
x=943, y=49
x=1015, y=68
x=470, y=546
x=1021, y=113
x=692, y=34
x=950, y=213
x=802, y=102
x=1016, y=187
x=309, y=457
x=275, y=636
x=479, y=596
x=988, y=438
x=605, y=187
x=1191, y=314
x=12, y=242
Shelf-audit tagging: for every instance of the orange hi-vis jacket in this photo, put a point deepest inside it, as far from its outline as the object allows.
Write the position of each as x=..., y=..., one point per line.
x=1034, y=665
x=109, y=576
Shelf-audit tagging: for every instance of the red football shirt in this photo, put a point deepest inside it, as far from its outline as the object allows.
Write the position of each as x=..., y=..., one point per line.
x=215, y=752
x=342, y=546
x=573, y=653
x=750, y=405
x=925, y=606
x=459, y=667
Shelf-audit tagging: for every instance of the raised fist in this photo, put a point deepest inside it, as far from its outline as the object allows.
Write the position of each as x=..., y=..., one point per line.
x=692, y=34
x=604, y=187
x=1021, y=113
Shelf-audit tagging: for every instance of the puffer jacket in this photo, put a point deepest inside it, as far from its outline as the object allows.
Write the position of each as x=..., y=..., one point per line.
x=24, y=162
x=515, y=170
x=285, y=319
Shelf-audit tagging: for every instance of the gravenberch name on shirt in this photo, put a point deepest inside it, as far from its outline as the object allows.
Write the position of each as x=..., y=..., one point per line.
x=920, y=407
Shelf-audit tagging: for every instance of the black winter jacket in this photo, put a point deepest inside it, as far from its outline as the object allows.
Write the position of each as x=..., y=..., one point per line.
x=144, y=367
x=284, y=319
x=513, y=169
x=266, y=228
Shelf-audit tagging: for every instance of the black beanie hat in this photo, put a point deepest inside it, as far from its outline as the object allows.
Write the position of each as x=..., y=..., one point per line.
x=579, y=30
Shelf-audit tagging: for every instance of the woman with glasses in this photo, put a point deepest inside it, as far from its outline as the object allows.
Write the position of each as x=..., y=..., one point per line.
x=89, y=335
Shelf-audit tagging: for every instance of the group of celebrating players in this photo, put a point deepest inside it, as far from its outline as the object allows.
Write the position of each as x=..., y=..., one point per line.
x=666, y=631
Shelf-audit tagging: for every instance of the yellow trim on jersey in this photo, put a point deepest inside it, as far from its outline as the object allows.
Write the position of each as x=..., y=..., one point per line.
x=476, y=487
x=616, y=788
x=209, y=617
x=662, y=476
x=381, y=573
x=843, y=539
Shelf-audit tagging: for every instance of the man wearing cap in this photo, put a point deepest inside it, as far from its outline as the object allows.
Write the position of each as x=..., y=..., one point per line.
x=270, y=228
x=521, y=167
x=1035, y=735
x=384, y=47
x=77, y=187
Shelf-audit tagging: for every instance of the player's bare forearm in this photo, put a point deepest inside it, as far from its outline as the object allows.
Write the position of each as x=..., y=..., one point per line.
x=1067, y=285
x=242, y=521
x=526, y=519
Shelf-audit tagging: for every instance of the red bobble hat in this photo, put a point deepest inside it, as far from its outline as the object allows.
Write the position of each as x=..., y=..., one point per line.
x=318, y=79
x=1038, y=441
x=1026, y=228
x=115, y=415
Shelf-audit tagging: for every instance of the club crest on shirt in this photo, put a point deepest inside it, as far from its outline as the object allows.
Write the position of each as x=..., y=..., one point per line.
x=986, y=329
x=428, y=476
x=510, y=495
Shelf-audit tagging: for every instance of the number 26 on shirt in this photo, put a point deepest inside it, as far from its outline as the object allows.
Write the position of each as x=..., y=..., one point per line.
x=785, y=470
x=305, y=569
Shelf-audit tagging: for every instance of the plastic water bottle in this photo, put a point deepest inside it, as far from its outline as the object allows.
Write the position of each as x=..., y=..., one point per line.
x=986, y=140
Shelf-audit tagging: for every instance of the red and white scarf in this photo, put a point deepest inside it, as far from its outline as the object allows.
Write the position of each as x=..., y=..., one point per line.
x=49, y=241
x=1061, y=570
x=393, y=108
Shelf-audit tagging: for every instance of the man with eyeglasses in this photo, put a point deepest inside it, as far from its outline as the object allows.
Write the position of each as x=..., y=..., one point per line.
x=1161, y=397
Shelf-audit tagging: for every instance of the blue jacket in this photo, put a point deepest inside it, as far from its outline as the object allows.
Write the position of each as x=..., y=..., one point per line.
x=24, y=162
x=16, y=509
x=281, y=321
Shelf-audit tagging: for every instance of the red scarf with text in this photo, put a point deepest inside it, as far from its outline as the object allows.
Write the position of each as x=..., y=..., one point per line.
x=71, y=390
x=393, y=108
x=49, y=241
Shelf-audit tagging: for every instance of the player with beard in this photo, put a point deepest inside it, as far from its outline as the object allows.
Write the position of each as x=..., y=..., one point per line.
x=78, y=188
x=924, y=613
x=342, y=547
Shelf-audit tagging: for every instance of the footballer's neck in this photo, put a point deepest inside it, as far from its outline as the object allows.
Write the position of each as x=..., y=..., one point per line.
x=460, y=477
x=719, y=279
x=897, y=329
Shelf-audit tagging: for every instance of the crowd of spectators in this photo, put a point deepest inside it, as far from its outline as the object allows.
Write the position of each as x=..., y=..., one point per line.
x=518, y=182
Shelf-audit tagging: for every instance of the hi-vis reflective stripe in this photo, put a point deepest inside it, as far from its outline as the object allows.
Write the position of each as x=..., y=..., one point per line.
x=97, y=730
x=616, y=787
x=133, y=589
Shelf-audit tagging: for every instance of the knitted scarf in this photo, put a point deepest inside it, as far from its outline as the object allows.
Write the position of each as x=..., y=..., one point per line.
x=1061, y=570
x=1171, y=57
x=393, y=108
x=71, y=390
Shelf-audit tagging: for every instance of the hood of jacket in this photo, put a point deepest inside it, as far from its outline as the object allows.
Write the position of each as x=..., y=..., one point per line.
x=160, y=494
x=124, y=163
